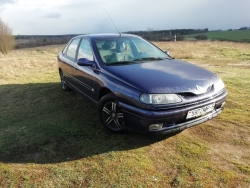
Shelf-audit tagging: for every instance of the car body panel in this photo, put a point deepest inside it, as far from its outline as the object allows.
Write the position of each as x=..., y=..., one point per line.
x=123, y=92
x=173, y=76
x=67, y=66
x=85, y=80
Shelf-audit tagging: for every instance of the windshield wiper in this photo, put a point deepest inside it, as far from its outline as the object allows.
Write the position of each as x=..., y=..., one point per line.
x=149, y=58
x=119, y=63
x=134, y=61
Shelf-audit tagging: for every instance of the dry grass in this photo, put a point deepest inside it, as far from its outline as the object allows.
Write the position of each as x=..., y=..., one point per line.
x=52, y=139
x=28, y=65
x=207, y=50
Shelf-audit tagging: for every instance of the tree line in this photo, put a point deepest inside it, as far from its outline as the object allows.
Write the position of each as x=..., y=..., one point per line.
x=167, y=35
x=26, y=41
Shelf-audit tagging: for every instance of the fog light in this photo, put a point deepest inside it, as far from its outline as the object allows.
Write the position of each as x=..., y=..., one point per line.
x=155, y=126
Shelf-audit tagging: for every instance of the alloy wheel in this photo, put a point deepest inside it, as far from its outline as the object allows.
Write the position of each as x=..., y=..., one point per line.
x=112, y=115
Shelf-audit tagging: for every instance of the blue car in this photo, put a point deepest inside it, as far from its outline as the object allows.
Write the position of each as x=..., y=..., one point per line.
x=137, y=86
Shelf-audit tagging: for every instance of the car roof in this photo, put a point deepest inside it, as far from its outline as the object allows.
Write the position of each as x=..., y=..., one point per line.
x=106, y=35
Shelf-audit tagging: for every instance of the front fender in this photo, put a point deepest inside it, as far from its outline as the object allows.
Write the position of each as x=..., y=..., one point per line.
x=123, y=92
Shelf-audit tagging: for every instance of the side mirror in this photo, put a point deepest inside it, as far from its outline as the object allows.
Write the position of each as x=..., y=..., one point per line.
x=85, y=62
x=167, y=52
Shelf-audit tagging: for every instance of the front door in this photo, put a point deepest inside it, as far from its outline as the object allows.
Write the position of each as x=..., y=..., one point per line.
x=85, y=75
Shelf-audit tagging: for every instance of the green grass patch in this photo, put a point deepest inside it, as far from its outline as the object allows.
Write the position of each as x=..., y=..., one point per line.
x=235, y=35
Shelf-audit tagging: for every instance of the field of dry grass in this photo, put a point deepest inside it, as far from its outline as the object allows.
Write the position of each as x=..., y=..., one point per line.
x=49, y=138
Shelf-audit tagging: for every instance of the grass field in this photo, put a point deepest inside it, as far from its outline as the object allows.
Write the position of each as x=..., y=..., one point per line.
x=235, y=35
x=51, y=138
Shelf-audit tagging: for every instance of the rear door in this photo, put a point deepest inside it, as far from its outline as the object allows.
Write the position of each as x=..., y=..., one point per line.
x=69, y=61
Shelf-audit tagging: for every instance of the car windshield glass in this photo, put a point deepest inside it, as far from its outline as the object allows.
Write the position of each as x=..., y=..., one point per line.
x=130, y=50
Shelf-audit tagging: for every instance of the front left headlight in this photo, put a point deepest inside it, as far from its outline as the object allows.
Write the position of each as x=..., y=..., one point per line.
x=159, y=98
x=218, y=86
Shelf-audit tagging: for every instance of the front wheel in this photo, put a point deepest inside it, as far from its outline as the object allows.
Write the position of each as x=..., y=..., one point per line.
x=111, y=114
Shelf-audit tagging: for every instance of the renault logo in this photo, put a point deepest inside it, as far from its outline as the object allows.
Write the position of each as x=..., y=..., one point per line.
x=200, y=89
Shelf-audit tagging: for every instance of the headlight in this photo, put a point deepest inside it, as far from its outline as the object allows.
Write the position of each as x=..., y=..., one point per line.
x=218, y=86
x=159, y=98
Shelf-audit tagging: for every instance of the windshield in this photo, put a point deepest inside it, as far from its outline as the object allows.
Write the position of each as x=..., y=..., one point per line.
x=118, y=50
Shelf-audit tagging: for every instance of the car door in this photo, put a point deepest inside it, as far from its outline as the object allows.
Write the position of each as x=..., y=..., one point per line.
x=69, y=59
x=85, y=75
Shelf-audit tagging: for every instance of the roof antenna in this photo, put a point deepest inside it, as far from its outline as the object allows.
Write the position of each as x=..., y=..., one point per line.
x=113, y=22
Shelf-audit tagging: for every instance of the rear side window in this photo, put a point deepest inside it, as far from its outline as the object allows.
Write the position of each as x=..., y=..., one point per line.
x=71, y=51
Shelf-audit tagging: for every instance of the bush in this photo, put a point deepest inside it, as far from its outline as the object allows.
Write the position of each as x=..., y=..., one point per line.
x=243, y=28
x=179, y=37
x=7, y=41
x=201, y=37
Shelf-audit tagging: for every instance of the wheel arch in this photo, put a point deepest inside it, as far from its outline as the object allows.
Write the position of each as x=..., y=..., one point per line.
x=104, y=91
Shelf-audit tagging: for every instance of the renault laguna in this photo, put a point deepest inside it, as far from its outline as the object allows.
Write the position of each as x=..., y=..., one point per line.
x=135, y=85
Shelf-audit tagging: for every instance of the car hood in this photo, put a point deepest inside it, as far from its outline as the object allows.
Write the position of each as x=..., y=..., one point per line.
x=164, y=76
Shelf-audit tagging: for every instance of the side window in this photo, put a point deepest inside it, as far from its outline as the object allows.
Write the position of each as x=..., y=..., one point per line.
x=85, y=50
x=65, y=48
x=71, y=51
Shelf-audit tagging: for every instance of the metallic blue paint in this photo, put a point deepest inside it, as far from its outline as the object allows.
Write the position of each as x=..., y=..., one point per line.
x=164, y=76
x=129, y=82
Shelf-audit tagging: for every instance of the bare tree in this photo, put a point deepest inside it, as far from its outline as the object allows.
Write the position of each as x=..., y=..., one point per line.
x=7, y=40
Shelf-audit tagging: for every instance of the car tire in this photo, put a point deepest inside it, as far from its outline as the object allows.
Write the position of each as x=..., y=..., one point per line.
x=111, y=114
x=64, y=85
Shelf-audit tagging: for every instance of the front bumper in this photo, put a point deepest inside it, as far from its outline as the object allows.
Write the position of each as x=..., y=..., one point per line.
x=174, y=120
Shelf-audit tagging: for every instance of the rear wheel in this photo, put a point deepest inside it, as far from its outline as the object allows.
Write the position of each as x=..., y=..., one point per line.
x=111, y=114
x=64, y=85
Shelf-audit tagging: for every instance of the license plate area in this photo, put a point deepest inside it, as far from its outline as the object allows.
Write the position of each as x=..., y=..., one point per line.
x=200, y=111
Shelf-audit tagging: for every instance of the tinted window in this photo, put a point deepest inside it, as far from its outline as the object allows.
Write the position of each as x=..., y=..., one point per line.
x=85, y=50
x=71, y=51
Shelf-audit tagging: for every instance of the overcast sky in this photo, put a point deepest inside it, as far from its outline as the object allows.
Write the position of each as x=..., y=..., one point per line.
x=52, y=17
